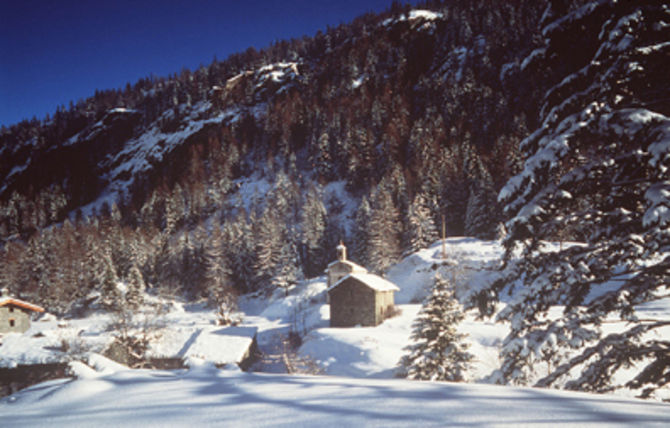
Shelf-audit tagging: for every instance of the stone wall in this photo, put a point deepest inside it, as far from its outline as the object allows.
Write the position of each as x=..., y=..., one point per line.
x=14, y=319
x=384, y=305
x=352, y=303
x=16, y=378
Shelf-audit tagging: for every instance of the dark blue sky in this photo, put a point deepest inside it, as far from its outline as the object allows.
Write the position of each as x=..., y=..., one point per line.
x=56, y=51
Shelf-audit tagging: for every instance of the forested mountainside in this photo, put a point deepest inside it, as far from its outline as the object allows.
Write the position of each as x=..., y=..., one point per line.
x=241, y=176
x=418, y=112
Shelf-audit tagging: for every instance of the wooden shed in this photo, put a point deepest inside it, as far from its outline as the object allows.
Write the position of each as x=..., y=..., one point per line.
x=15, y=314
x=361, y=299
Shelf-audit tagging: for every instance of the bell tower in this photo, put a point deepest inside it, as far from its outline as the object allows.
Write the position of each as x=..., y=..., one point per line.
x=341, y=252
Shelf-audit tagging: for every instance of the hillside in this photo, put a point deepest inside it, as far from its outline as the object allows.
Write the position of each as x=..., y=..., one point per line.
x=406, y=109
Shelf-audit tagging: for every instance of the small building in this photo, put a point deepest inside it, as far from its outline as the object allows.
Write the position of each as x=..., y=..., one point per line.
x=15, y=314
x=357, y=297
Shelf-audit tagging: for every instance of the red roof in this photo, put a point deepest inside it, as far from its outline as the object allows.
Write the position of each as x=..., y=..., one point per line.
x=4, y=301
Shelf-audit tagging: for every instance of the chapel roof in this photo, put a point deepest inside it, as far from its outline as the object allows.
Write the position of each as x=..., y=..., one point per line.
x=355, y=267
x=373, y=281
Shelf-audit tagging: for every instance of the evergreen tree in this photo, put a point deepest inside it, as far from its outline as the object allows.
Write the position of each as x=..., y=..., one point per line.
x=323, y=163
x=598, y=163
x=111, y=297
x=240, y=252
x=481, y=217
x=360, y=234
x=384, y=244
x=287, y=273
x=218, y=278
x=439, y=352
x=313, y=228
x=135, y=288
x=269, y=242
x=421, y=231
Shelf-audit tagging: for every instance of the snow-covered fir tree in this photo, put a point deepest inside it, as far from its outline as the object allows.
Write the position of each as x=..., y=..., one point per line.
x=240, y=251
x=420, y=226
x=135, y=287
x=313, y=229
x=218, y=279
x=599, y=165
x=384, y=243
x=287, y=273
x=110, y=293
x=481, y=216
x=439, y=351
x=217, y=271
x=360, y=233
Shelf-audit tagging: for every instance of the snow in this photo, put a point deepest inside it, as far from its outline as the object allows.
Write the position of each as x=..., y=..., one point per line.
x=206, y=396
x=121, y=110
x=468, y=263
x=279, y=73
x=250, y=190
x=414, y=15
x=374, y=352
x=373, y=281
x=220, y=345
x=658, y=196
x=454, y=64
x=424, y=14
x=183, y=331
x=18, y=169
x=366, y=352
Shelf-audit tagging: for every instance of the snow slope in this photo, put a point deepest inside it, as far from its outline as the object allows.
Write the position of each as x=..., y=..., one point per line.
x=374, y=352
x=206, y=396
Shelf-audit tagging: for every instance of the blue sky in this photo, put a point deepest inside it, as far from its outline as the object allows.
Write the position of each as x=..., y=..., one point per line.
x=53, y=52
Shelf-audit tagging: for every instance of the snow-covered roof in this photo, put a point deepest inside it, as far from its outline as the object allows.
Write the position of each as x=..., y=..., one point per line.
x=373, y=281
x=20, y=303
x=354, y=267
x=220, y=345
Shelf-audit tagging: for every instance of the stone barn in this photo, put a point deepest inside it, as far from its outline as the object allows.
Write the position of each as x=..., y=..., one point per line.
x=356, y=296
x=15, y=314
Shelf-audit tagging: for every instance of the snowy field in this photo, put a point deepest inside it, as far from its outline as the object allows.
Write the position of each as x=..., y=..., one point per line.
x=360, y=364
x=206, y=396
x=184, y=330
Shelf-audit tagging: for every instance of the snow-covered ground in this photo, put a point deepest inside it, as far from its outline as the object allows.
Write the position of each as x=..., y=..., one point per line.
x=375, y=351
x=182, y=331
x=206, y=396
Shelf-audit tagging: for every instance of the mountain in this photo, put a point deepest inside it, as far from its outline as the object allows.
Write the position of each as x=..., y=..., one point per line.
x=407, y=110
